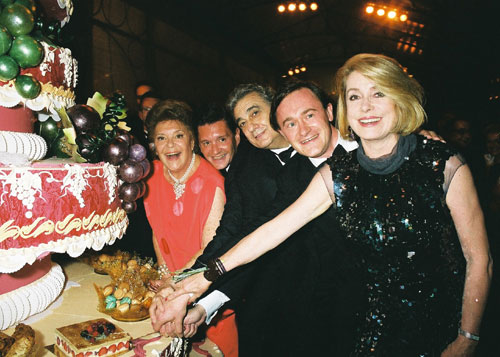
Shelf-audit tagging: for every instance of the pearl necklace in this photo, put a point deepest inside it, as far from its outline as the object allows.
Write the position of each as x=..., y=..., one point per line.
x=179, y=186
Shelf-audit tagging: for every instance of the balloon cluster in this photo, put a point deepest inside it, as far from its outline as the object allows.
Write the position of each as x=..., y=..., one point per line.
x=133, y=168
x=102, y=139
x=17, y=48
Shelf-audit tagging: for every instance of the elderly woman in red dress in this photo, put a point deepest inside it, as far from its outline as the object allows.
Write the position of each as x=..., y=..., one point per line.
x=184, y=203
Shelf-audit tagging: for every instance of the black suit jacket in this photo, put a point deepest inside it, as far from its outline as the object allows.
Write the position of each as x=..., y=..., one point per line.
x=310, y=280
x=250, y=187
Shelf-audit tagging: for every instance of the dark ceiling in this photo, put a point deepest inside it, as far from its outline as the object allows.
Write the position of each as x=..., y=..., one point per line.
x=455, y=41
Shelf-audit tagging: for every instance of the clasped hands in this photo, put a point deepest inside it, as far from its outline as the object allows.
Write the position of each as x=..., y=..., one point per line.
x=169, y=310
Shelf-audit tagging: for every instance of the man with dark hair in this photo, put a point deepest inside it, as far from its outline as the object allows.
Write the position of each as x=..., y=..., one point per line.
x=146, y=102
x=218, y=137
x=137, y=123
x=142, y=87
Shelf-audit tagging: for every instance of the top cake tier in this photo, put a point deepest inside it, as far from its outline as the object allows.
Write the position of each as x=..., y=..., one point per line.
x=57, y=75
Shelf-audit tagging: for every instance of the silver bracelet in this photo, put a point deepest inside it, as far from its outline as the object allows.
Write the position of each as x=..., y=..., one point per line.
x=468, y=335
x=163, y=270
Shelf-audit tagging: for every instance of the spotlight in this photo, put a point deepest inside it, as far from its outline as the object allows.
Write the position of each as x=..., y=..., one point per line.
x=380, y=12
x=391, y=14
x=281, y=8
x=292, y=7
x=314, y=6
x=403, y=18
x=369, y=9
x=302, y=6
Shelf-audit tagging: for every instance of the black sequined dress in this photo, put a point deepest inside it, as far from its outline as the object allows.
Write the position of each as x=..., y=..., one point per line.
x=413, y=263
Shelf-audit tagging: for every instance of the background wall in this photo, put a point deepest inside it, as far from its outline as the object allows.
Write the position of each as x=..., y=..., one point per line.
x=122, y=44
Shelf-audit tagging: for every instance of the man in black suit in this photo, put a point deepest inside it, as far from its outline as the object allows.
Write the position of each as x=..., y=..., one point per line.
x=285, y=286
x=218, y=137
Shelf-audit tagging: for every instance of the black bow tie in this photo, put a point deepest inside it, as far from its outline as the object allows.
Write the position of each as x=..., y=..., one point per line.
x=286, y=154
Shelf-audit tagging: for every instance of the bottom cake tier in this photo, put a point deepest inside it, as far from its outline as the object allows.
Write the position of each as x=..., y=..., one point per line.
x=30, y=291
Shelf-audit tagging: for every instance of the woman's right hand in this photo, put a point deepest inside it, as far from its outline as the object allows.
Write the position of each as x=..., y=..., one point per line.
x=157, y=285
x=461, y=347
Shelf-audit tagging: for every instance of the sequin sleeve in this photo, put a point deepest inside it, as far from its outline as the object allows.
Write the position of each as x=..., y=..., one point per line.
x=452, y=165
x=326, y=173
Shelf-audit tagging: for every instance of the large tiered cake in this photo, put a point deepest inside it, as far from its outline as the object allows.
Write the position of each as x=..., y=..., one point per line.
x=48, y=206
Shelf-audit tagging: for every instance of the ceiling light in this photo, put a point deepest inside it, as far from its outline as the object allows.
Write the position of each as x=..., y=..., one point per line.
x=391, y=14
x=403, y=18
x=297, y=70
x=303, y=68
x=290, y=72
x=302, y=6
x=380, y=12
x=369, y=9
x=314, y=6
x=281, y=8
x=292, y=7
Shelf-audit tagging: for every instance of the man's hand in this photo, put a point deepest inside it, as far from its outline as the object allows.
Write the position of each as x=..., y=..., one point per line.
x=194, y=285
x=194, y=318
x=431, y=135
x=171, y=311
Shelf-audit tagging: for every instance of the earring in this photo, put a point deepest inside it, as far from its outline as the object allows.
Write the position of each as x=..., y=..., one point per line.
x=352, y=135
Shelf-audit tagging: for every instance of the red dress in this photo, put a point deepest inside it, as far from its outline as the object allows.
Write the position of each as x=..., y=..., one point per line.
x=178, y=228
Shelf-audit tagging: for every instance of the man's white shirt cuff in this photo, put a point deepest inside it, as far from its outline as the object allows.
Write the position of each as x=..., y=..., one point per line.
x=212, y=303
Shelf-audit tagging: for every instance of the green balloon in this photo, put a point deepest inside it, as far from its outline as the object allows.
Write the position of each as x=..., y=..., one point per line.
x=49, y=130
x=9, y=68
x=27, y=51
x=30, y=4
x=27, y=86
x=60, y=146
x=18, y=19
x=5, y=40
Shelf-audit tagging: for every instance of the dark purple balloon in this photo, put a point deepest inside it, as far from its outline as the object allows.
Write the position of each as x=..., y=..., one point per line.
x=137, y=152
x=85, y=118
x=129, y=207
x=131, y=171
x=146, y=165
x=116, y=152
x=142, y=187
x=124, y=135
x=129, y=191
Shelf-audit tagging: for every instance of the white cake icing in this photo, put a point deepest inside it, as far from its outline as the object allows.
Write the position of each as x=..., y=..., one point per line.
x=15, y=258
x=17, y=305
x=32, y=146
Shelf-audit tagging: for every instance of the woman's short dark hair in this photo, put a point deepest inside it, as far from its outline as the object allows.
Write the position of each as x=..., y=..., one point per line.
x=293, y=85
x=169, y=109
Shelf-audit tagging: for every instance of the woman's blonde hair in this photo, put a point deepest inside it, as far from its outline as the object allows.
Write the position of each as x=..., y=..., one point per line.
x=391, y=79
